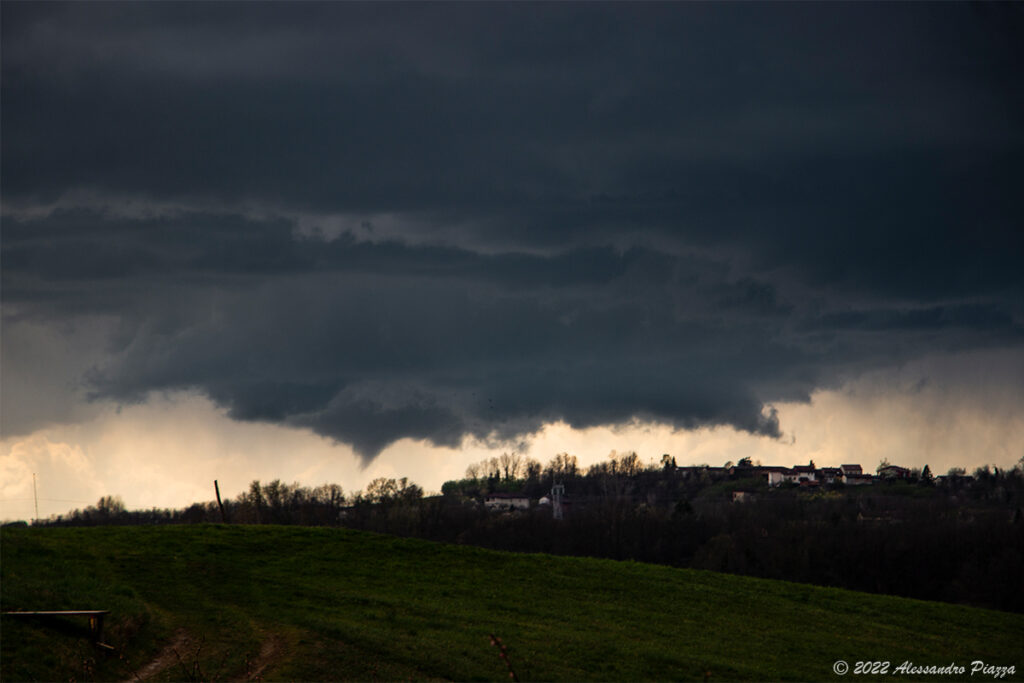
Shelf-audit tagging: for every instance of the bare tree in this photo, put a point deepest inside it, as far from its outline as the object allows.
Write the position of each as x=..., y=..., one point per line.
x=532, y=469
x=381, y=490
x=511, y=465
x=563, y=465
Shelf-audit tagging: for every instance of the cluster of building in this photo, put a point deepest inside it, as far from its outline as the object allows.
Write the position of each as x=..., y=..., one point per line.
x=851, y=475
x=511, y=501
x=803, y=475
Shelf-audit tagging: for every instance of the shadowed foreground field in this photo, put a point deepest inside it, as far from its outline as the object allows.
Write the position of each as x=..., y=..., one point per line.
x=217, y=602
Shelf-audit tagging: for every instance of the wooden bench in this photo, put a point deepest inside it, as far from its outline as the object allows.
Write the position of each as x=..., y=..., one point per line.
x=95, y=618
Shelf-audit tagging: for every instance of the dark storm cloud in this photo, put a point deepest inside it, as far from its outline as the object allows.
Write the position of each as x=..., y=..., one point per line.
x=861, y=146
x=972, y=316
x=89, y=245
x=370, y=358
x=679, y=212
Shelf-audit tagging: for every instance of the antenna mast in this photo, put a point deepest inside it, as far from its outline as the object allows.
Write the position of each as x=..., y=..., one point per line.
x=35, y=496
x=556, y=500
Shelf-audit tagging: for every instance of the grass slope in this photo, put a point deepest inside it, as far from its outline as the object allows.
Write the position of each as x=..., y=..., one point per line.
x=341, y=604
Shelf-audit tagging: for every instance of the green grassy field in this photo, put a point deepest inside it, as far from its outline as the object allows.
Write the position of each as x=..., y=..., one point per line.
x=290, y=603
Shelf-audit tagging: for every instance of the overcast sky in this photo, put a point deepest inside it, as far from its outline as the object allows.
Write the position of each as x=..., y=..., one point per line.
x=327, y=242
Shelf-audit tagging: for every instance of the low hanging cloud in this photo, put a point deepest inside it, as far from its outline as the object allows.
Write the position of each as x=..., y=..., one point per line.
x=371, y=358
x=466, y=220
x=369, y=343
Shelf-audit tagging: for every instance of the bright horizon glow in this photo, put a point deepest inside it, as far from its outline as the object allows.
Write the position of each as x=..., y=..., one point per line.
x=168, y=451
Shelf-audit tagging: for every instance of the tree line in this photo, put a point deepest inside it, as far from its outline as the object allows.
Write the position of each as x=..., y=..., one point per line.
x=961, y=540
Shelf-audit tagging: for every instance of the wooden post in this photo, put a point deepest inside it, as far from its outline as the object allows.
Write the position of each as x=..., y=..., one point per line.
x=96, y=627
x=216, y=488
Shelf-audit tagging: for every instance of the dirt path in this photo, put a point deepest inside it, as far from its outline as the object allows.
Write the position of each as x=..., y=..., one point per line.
x=183, y=646
x=167, y=657
x=270, y=653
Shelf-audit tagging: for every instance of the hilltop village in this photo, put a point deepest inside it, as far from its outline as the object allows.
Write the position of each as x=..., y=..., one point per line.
x=511, y=484
x=807, y=477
